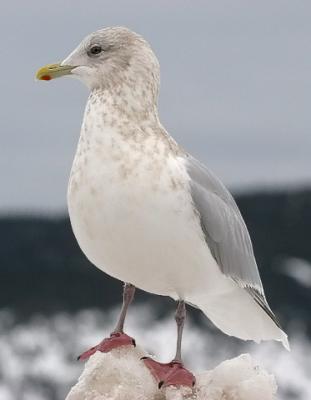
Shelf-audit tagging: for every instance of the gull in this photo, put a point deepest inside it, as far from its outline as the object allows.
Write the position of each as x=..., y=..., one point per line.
x=146, y=212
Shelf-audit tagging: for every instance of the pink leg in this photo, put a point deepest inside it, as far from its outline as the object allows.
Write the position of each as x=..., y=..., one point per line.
x=173, y=373
x=118, y=337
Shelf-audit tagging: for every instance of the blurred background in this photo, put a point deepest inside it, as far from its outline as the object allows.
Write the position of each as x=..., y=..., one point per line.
x=236, y=93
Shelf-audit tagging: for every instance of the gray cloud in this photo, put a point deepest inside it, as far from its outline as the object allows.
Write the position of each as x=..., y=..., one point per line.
x=235, y=89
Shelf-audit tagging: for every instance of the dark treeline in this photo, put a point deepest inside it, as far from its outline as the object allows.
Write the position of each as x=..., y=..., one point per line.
x=43, y=269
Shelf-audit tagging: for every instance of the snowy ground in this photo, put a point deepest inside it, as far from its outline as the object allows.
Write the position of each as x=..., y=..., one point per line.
x=122, y=375
x=38, y=358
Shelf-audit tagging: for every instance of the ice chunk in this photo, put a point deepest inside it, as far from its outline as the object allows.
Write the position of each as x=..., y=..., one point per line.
x=121, y=375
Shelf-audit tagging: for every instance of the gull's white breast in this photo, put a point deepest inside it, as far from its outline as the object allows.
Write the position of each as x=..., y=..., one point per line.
x=131, y=212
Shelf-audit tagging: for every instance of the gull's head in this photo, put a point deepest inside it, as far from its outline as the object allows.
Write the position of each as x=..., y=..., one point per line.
x=108, y=58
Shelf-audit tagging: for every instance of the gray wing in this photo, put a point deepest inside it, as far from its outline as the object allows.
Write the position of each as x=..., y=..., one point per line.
x=225, y=231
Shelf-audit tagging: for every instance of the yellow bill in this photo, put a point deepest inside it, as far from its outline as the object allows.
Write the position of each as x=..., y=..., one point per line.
x=52, y=71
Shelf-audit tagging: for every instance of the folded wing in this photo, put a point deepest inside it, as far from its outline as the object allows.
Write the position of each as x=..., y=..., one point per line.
x=225, y=231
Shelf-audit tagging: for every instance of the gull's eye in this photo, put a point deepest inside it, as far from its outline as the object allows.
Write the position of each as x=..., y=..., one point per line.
x=95, y=50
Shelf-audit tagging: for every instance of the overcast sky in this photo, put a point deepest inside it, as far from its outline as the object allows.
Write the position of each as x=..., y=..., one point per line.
x=235, y=89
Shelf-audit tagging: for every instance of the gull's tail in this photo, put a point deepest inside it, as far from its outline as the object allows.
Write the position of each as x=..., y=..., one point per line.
x=237, y=314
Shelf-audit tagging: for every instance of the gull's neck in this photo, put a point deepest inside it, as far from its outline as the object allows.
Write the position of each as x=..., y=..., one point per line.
x=123, y=115
x=121, y=106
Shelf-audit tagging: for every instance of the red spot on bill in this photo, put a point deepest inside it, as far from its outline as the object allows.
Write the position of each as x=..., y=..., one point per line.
x=45, y=78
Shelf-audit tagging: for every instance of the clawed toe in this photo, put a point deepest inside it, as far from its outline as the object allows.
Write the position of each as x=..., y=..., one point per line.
x=116, y=339
x=169, y=374
x=85, y=355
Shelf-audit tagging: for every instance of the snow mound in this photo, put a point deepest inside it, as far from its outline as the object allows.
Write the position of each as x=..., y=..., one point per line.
x=121, y=375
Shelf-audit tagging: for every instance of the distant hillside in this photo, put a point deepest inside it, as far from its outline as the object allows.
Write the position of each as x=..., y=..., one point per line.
x=43, y=269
